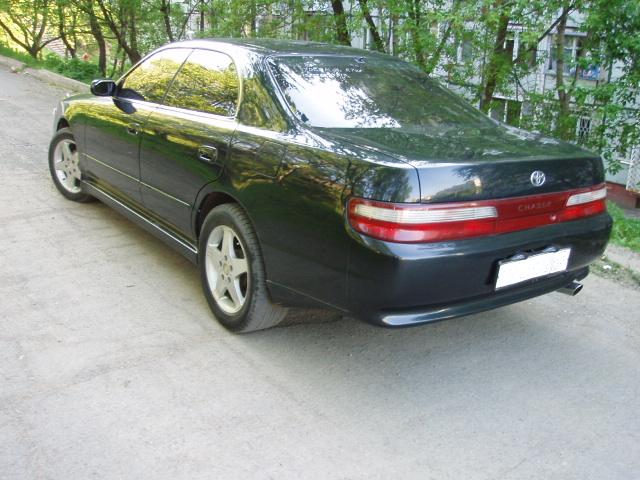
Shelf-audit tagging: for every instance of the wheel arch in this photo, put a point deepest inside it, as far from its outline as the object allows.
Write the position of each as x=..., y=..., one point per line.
x=62, y=123
x=209, y=197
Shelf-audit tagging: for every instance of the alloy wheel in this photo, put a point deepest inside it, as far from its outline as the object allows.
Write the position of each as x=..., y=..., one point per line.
x=66, y=165
x=227, y=269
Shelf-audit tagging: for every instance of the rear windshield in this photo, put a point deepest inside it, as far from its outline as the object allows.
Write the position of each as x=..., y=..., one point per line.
x=357, y=92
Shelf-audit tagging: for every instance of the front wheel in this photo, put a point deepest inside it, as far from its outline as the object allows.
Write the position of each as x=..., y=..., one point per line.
x=232, y=272
x=64, y=165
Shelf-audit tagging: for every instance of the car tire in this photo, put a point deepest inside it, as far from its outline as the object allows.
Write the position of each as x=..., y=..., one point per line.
x=64, y=166
x=232, y=272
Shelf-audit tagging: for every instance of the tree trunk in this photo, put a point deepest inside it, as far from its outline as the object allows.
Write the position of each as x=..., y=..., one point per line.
x=123, y=59
x=201, y=15
x=115, y=62
x=74, y=30
x=563, y=129
x=96, y=31
x=133, y=38
x=253, y=19
x=373, y=29
x=120, y=32
x=165, y=6
x=393, y=32
x=33, y=51
x=415, y=15
x=63, y=34
x=342, y=32
x=496, y=62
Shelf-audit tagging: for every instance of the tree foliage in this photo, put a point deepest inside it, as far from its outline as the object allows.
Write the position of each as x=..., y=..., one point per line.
x=470, y=43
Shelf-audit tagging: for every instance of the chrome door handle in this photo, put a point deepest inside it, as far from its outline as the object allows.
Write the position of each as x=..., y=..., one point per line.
x=133, y=128
x=207, y=154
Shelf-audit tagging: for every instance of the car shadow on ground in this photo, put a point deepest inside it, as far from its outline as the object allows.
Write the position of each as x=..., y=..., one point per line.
x=501, y=344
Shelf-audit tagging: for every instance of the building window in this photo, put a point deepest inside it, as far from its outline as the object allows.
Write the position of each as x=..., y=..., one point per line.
x=465, y=47
x=572, y=53
x=434, y=28
x=528, y=53
x=507, y=111
x=365, y=38
x=514, y=109
x=315, y=26
x=584, y=127
x=497, y=109
x=592, y=72
x=509, y=45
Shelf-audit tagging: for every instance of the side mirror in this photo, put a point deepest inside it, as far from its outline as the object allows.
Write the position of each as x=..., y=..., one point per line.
x=103, y=88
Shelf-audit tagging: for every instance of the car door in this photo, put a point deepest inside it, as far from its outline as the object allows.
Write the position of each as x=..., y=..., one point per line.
x=185, y=142
x=113, y=125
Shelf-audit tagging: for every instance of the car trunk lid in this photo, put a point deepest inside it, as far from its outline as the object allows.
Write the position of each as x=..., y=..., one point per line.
x=466, y=164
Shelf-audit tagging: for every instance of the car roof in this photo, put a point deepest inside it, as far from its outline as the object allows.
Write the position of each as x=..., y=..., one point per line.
x=269, y=46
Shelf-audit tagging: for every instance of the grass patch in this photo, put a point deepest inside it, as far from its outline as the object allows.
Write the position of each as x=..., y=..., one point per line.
x=71, y=68
x=626, y=231
x=23, y=57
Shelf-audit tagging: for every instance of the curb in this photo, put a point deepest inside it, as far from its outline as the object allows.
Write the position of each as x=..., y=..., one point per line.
x=45, y=75
x=11, y=63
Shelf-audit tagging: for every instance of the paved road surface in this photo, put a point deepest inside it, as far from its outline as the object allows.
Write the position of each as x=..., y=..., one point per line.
x=112, y=367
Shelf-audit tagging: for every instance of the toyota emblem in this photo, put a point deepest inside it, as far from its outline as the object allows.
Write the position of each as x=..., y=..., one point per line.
x=538, y=178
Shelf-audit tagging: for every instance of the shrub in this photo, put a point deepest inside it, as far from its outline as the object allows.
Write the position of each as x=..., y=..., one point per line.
x=72, y=68
x=626, y=231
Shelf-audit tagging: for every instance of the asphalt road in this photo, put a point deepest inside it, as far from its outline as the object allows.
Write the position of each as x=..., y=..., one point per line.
x=111, y=365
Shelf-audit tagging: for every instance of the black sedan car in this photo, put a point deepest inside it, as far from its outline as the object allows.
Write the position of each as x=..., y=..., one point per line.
x=304, y=175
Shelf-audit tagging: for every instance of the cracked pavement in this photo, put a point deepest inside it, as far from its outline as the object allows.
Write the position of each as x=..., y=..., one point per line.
x=111, y=365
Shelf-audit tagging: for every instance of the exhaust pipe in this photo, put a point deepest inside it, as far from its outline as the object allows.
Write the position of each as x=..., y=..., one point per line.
x=572, y=289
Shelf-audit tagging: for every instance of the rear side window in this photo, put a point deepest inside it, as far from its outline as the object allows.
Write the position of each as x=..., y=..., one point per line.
x=207, y=82
x=149, y=80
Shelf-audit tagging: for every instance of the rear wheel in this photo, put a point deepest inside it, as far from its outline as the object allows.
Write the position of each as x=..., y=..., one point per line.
x=64, y=165
x=232, y=272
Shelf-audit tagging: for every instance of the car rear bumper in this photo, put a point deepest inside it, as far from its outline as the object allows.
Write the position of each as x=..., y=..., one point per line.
x=475, y=305
x=393, y=284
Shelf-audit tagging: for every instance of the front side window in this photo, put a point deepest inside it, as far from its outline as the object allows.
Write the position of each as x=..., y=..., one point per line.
x=207, y=82
x=149, y=80
x=365, y=92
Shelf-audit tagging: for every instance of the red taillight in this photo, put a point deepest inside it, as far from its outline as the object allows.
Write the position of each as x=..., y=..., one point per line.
x=412, y=223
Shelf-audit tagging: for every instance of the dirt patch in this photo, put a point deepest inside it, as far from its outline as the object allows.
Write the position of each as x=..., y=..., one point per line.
x=605, y=267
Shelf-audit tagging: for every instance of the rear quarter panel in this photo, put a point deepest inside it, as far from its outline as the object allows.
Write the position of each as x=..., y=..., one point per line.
x=295, y=190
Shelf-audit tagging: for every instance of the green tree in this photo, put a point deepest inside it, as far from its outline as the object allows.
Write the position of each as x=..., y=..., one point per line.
x=26, y=23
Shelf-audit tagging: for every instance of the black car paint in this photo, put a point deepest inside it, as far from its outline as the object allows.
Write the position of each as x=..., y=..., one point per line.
x=294, y=181
x=478, y=164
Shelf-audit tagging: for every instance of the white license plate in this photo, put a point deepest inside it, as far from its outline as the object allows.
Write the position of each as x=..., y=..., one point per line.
x=511, y=272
